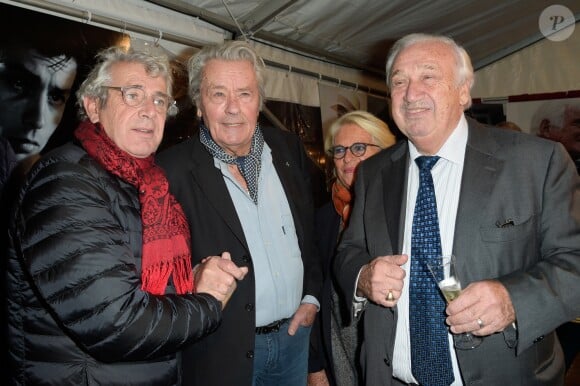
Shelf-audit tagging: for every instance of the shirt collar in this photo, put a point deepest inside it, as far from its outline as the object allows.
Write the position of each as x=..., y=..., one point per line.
x=453, y=149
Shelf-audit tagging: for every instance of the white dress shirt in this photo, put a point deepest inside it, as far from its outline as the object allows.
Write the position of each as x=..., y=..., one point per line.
x=447, y=181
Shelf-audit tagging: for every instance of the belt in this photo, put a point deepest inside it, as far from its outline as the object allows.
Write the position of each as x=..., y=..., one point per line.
x=272, y=327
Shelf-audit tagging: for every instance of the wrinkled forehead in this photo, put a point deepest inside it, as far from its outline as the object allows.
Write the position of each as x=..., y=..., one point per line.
x=229, y=73
x=425, y=56
x=127, y=73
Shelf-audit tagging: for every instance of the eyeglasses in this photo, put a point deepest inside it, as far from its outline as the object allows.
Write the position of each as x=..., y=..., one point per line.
x=357, y=149
x=135, y=96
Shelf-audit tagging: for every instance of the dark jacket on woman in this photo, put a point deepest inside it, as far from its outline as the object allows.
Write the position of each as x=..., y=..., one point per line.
x=76, y=311
x=327, y=230
x=334, y=344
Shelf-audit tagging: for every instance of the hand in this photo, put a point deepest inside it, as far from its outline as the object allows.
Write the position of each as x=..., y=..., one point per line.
x=488, y=301
x=304, y=316
x=318, y=378
x=381, y=276
x=217, y=275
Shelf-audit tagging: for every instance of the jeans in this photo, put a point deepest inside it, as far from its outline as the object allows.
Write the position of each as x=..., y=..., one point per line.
x=281, y=359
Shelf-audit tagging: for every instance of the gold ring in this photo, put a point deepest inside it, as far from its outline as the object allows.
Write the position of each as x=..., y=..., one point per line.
x=390, y=296
x=479, y=323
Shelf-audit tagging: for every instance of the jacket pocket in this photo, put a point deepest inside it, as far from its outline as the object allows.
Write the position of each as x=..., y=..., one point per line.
x=509, y=230
x=508, y=248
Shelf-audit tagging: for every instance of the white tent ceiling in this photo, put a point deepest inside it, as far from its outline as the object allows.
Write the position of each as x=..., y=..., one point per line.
x=358, y=34
x=345, y=42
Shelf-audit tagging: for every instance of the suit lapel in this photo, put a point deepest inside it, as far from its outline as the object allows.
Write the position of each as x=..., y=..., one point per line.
x=210, y=181
x=480, y=173
x=394, y=176
x=285, y=169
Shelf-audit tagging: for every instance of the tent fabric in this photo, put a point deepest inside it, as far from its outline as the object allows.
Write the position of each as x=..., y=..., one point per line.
x=289, y=87
x=348, y=40
x=545, y=67
x=156, y=18
x=362, y=31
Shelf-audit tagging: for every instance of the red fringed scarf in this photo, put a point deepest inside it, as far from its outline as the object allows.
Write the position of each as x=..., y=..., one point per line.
x=341, y=198
x=165, y=229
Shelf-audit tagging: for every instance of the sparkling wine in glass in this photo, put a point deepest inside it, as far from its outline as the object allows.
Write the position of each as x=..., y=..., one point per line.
x=450, y=288
x=443, y=270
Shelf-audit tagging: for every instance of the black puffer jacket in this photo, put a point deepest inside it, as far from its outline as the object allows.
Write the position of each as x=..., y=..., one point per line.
x=76, y=313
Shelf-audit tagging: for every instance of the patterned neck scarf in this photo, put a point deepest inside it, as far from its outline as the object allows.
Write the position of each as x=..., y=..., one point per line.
x=166, y=234
x=249, y=165
x=341, y=198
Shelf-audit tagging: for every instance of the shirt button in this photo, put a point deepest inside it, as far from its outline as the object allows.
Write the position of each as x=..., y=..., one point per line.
x=249, y=307
x=250, y=354
x=387, y=362
x=246, y=259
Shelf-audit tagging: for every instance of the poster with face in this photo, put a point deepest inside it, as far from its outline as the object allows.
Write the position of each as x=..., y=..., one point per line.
x=34, y=89
x=43, y=59
x=553, y=119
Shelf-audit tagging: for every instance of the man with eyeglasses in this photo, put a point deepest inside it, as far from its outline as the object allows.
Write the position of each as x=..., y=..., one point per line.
x=100, y=287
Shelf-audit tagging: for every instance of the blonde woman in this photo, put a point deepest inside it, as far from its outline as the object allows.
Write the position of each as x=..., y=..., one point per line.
x=351, y=139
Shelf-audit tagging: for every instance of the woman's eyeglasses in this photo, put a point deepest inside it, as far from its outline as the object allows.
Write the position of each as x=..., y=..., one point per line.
x=357, y=149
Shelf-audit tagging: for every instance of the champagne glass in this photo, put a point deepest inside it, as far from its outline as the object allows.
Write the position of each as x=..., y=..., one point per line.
x=444, y=272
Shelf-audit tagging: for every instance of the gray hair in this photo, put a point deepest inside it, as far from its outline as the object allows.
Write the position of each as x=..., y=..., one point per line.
x=100, y=75
x=464, y=70
x=378, y=129
x=229, y=51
